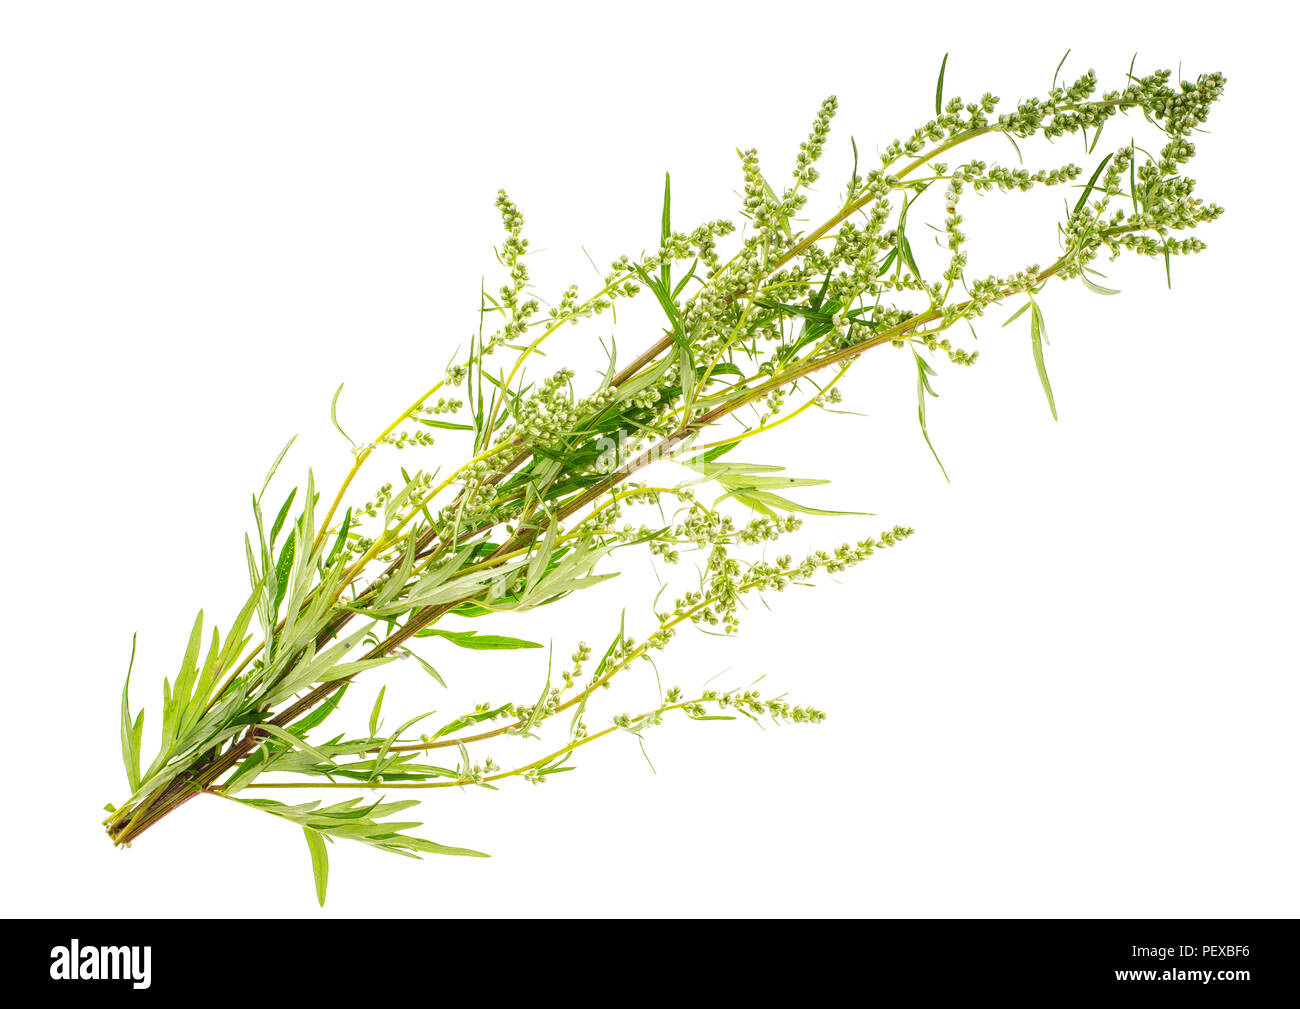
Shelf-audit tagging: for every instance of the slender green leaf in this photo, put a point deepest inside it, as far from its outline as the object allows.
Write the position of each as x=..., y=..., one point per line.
x=374, y=713
x=131, y=731
x=278, y=524
x=923, y=388
x=475, y=640
x=765, y=501
x=445, y=424
x=270, y=474
x=334, y=416
x=1087, y=190
x=1058, y=68
x=665, y=232
x=1092, y=285
x=320, y=861
x=427, y=668
x=1038, y=335
x=316, y=717
x=283, y=569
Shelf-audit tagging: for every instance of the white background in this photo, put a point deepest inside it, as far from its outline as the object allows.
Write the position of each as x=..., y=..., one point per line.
x=1073, y=693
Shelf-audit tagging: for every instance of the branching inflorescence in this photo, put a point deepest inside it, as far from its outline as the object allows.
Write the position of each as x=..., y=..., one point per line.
x=759, y=327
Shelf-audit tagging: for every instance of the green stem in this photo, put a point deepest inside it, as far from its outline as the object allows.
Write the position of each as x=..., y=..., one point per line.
x=461, y=782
